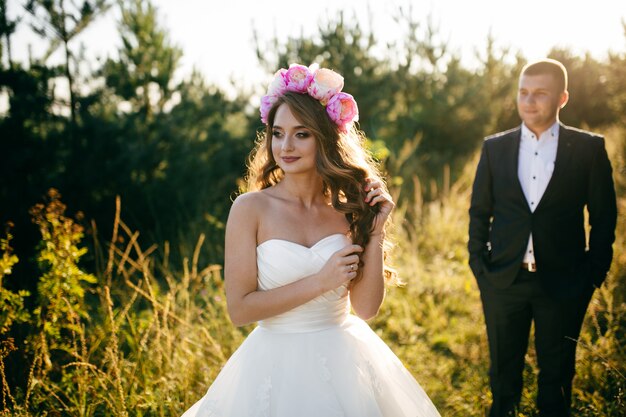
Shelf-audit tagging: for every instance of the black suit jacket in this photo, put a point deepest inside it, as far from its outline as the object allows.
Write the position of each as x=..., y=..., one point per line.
x=501, y=220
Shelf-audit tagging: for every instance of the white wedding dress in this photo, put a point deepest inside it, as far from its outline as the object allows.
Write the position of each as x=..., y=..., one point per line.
x=317, y=360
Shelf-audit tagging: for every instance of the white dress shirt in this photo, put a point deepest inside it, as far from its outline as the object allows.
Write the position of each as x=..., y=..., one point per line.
x=535, y=167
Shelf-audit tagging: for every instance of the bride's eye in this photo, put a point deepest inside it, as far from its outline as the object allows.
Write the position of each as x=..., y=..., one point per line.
x=276, y=133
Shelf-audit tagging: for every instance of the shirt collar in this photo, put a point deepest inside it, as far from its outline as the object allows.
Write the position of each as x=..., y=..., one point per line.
x=551, y=133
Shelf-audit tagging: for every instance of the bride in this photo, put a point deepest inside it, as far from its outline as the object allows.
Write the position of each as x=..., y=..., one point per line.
x=305, y=246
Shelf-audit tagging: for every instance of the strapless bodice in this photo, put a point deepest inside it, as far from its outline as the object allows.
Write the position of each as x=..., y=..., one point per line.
x=281, y=262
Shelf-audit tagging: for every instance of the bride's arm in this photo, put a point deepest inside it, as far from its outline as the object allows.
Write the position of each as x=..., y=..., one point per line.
x=247, y=304
x=367, y=294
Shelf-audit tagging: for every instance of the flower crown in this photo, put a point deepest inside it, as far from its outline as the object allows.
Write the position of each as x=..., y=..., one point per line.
x=320, y=83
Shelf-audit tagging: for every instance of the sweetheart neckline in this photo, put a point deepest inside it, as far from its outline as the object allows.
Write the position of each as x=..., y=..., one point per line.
x=299, y=244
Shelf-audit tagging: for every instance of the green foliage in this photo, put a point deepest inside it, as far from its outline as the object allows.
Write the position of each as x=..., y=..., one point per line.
x=143, y=73
x=174, y=151
x=12, y=303
x=7, y=28
x=60, y=22
x=590, y=91
x=61, y=290
x=174, y=159
x=126, y=350
x=56, y=333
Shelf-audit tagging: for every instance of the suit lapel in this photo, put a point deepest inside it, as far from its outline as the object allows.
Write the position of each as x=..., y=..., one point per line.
x=561, y=163
x=512, y=162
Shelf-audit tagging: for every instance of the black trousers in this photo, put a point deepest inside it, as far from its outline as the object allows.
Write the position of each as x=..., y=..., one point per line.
x=509, y=313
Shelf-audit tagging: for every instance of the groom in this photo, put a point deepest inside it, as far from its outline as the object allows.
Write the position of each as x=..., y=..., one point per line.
x=527, y=243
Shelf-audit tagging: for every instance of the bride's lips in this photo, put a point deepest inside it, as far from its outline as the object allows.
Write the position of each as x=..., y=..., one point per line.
x=290, y=159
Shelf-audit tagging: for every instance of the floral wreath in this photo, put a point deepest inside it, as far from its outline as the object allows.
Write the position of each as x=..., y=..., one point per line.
x=320, y=83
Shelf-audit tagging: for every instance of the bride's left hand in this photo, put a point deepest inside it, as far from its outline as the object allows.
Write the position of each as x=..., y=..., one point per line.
x=376, y=194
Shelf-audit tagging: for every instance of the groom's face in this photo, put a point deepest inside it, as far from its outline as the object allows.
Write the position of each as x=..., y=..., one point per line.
x=539, y=101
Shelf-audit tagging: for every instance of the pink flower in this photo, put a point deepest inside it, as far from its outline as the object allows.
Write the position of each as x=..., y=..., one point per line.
x=297, y=78
x=325, y=84
x=322, y=84
x=267, y=101
x=278, y=85
x=342, y=109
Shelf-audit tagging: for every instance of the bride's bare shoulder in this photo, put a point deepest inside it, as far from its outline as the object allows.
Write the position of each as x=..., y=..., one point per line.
x=252, y=202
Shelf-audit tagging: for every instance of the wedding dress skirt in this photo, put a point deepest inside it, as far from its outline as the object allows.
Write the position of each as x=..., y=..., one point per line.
x=317, y=360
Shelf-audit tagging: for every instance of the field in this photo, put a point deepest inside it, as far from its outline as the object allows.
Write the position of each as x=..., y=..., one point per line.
x=143, y=337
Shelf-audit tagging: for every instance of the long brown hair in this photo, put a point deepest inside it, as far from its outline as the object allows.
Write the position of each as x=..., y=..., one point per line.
x=342, y=161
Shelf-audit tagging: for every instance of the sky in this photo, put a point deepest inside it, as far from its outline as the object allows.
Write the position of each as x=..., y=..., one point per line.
x=216, y=35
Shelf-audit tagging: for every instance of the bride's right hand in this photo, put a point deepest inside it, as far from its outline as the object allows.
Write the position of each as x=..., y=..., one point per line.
x=340, y=268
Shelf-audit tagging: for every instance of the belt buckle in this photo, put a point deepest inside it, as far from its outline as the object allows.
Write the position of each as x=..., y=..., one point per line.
x=532, y=267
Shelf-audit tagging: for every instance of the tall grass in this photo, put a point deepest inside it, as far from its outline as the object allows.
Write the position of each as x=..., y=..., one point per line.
x=151, y=336
x=434, y=322
x=150, y=343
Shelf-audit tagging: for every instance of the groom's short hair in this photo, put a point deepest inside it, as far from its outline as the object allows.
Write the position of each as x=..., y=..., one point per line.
x=548, y=66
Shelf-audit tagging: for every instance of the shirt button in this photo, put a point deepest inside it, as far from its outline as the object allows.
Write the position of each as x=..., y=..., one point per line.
x=536, y=153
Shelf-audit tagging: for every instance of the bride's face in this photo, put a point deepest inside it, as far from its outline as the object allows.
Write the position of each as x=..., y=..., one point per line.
x=293, y=146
